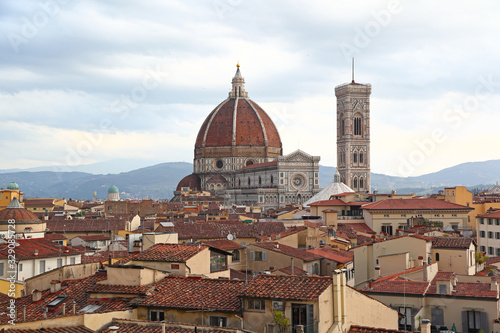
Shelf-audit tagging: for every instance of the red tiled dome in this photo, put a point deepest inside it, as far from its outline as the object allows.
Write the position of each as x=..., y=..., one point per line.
x=16, y=212
x=237, y=126
x=193, y=181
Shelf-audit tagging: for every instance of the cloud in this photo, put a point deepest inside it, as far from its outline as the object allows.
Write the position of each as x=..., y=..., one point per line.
x=81, y=67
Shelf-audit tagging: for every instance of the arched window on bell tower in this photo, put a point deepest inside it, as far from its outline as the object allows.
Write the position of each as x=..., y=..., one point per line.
x=358, y=130
x=355, y=183
x=342, y=125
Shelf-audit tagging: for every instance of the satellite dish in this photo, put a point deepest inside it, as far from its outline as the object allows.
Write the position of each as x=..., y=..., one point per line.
x=230, y=237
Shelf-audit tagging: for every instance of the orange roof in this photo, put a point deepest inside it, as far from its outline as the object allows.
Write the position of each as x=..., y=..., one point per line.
x=414, y=204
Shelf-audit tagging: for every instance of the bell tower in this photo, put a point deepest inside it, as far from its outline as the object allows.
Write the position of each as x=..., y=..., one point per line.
x=353, y=135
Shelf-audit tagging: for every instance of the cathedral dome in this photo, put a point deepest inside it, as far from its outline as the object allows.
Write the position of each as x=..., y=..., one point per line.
x=238, y=127
x=192, y=181
x=15, y=211
x=12, y=186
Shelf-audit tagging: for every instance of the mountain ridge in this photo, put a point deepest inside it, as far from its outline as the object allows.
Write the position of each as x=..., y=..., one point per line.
x=160, y=180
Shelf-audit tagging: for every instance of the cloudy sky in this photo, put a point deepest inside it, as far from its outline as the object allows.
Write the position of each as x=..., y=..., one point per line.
x=91, y=81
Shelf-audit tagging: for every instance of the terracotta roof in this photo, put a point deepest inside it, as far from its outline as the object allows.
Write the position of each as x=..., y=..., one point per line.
x=217, y=178
x=492, y=215
x=221, y=129
x=397, y=284
x=35, y=202
x=334, y=202
x=143, y=326
x=45, y=248
x=296, y=270
x=21, y=215
x=414, y=204
x=288, y=232
x=195, y=293
x=287, y=287
x=220, y=229
x=260, y=165
x=237, y=275
x=67, y=329
x=224, y=244
x=452, y=242
x=169, y=252
x=362, y=227
x=76, y=290
x=339, y=255
x=288, y=251
x=87, y=224
x=93, y=238
x=54, y=237
x=192, y=181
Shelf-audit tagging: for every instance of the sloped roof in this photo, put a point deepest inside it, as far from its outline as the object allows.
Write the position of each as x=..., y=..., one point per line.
x=414, y=204
x=339, y=255
x=46, y=249
x=333, y=189
x=452, y=242
x=288, y=251
x=195, y=293
x=287, y=287
x=169, y=252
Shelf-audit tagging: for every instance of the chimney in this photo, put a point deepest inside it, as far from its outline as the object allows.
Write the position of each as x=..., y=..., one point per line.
x=55, y=286
x=45, y=310
x=377, y=272
x=420, y=261
x=425, y=326
x=424, y=263
x=74, y=307
x=64, y=309
x=494, y=284
x=36, y=295
x=24, y=312
x=163, y=327
x=291, y=265
x=35, y=253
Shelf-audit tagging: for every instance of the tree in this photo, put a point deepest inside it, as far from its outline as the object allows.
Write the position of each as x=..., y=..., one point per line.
x=281, y=321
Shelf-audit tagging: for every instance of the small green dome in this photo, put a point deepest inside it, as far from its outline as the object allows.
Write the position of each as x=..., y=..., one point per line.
x=12, y=186
x=113, y=189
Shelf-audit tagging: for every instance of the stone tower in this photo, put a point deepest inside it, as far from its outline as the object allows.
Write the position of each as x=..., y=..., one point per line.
x=353, y=135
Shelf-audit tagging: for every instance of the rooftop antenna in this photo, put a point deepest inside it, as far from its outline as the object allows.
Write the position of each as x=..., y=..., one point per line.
x=352, y=69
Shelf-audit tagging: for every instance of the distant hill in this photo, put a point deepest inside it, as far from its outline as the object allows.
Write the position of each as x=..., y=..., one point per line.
x=159, y=181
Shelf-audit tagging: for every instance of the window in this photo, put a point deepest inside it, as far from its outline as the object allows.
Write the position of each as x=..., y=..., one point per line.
x=443, y=289
x=437, y=257
x=482, y=248
x=405, y=322
x=272, y=180
x=355, y=158
x=20, y=267
x=497, y=235
x=72, y=261
x=357, y=125
x=42, y=266
x=1, y=269
x=218, y=262
x=481, y=221
x=315, y=269
x=360, y=157
x=387, y=229
x=236, y=255
x=258, y=255
x=175, y=267
x=59, y=262
x=490, y=234
x=454, y=215
x=490, y=221
x=437, y=316
x=355, y=183
x=497, y=222
x=386, y=215
x=490, y=250
x=218, y=321
x=482, y=234
x=403, y=215
x=260, y=180
x=156, y=315
x=256, y=304
x=498, y=252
